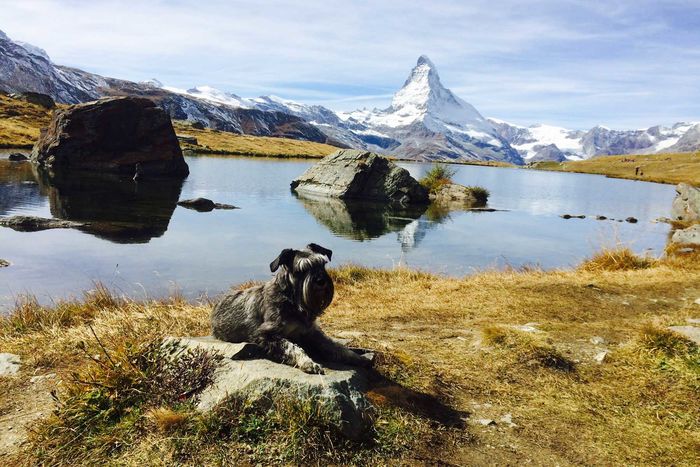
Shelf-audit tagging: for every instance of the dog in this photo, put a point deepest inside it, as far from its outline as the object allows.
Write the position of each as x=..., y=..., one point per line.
x=280, y=315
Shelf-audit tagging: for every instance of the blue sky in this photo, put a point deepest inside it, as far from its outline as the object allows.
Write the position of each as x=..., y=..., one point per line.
x=624, y=64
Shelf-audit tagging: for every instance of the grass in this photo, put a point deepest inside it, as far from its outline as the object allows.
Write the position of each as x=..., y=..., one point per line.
x=458, y=341
x=616, y=259
x=20, y=122
x=438, y=176
x=225, y=143
x=661, y=168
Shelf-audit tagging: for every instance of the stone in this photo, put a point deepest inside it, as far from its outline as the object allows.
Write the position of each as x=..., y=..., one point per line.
x=697, y=302
x=35, y=98
x=197, y=125
x=244, y=374
x=204, y=205
x=632, y=220
x=686, y=205
x=17, y=157
x=9, y=364
x=187, y=139
x=569, y=216
x=528, y=327
x=35, y=224
x=486, y=422
x=508, y=420
x=597, y=340
x=691, y=332
x=689, y=236
x=353, y=174
x=40, y=378
x=600, y=218
x=4, y=263
x=453, y=193
x=111, y=135
x=600, y=357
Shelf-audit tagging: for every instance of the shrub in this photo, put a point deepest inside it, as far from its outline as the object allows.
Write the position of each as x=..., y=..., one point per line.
x=438, y=176
x=620, y=259
x=481, y=194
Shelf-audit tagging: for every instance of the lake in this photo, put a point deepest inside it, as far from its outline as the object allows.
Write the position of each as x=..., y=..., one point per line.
x=141, y=244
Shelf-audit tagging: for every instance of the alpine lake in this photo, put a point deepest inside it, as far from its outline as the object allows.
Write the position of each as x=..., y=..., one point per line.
x=139, y=243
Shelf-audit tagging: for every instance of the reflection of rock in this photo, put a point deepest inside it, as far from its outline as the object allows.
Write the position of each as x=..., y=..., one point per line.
x=17, y=187
x=17, y=157
x=111, y=135
x=352, y=174
x=360, y=220
x=36, y=224
x=116, y=209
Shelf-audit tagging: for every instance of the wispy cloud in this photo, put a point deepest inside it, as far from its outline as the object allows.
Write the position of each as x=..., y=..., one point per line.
x=570, y=62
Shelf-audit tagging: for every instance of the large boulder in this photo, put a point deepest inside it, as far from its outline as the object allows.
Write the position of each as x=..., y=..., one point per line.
x=352, y=174
x=244, y=374
x=35, y=98
x=686, y=205
x=113, y=134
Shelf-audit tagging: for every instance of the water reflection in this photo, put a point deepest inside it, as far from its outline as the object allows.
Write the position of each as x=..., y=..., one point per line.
x=117, y=209
x=360, y=220
x=18, y=187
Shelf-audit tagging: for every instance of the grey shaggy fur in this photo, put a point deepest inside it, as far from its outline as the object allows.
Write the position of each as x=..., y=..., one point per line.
x=280, y=315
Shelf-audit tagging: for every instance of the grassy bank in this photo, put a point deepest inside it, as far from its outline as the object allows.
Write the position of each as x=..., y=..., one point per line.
x=20, y=122
x=224, y=143
x=661, y=168
x=515, y=347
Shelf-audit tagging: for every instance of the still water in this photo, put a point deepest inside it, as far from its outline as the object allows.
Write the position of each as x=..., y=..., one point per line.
x=141, y=244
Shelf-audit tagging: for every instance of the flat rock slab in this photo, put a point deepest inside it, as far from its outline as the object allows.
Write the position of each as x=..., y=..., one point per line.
x=244, y=374
x=35, y=224
x=689, y=236
x=9, y=364
x=691, y=332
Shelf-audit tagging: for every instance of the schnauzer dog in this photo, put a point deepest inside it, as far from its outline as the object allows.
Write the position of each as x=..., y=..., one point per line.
x=280, y=315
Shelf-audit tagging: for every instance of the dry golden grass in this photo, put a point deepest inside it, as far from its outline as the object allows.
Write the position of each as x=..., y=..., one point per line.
x=221, y=142
x=20, y=122
x=460, y=340
x=661, y=168
x=618, y=259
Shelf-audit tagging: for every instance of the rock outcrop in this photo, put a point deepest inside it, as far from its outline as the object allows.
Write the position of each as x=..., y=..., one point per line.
x=35, y=98
x=689, y=236
x=244, y=374
x=352, y=174
x=686, y=205
x=455, y=194
x=111, y=135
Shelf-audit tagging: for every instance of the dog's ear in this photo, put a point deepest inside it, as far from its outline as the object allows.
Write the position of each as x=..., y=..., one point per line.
x=285, y=258
x=320, y=250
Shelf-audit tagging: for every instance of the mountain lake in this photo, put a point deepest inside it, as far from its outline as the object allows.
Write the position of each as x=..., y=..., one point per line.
x=139, y=243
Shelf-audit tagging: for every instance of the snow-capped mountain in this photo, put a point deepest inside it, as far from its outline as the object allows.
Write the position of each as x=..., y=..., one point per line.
x=545, y=142
x=24, y=67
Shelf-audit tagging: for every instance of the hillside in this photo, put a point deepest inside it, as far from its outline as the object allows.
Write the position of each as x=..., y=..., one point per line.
x=661, y=168
x=20, y=123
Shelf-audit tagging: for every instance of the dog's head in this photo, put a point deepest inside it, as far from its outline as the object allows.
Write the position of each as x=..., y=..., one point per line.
x=303, y=274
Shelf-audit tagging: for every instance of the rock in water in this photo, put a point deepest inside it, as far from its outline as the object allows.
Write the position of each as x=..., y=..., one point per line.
x=35, y=224
x=454, y=194
x=204, y=204
x=352, y=174
x=686, y=205
x=112, y=134
x=338, y=392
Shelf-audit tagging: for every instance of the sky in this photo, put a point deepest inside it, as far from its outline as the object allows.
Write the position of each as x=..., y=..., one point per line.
x=622, y=64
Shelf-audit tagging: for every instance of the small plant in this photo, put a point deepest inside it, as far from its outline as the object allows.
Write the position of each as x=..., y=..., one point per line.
x=528, y=350
x=481, y=194
x=620, y=259
x=438, y=176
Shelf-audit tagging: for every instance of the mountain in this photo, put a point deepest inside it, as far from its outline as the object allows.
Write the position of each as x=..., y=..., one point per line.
x=545, y=142
x=24, y=67
x=431, y=122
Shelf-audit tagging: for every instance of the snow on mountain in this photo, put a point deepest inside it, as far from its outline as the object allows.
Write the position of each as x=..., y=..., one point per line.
x=537, y=142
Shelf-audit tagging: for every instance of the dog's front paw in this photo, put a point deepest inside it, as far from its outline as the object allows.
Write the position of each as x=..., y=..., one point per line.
x=312, y=368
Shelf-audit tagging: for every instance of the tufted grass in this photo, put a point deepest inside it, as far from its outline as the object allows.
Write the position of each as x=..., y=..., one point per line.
x=444, y=345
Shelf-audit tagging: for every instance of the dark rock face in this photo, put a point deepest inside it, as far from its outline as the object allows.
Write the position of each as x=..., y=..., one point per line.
x=549, y=152
x=204, y=204
x=17, y=157
x=111, y=135
x=35, y=98
x=686, y=205
x=352, y=174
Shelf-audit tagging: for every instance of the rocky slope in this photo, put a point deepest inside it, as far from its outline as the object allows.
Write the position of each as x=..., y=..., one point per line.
x=24, y=67
x=544, y=142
